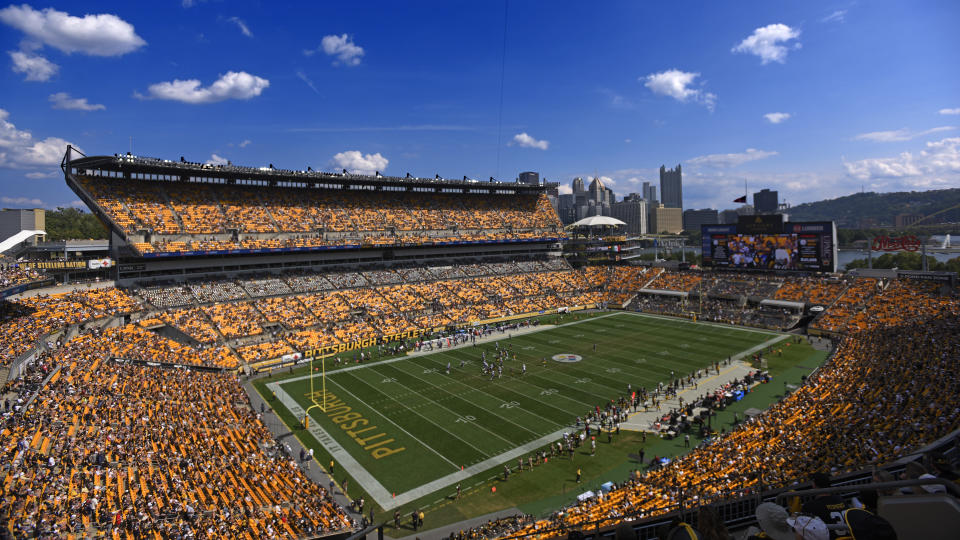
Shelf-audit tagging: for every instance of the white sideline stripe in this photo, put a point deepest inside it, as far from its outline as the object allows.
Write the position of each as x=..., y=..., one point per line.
x=380, y=494
x=366, y=480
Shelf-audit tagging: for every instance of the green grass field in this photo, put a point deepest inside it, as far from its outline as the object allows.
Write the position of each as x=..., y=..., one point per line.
x=411, y=427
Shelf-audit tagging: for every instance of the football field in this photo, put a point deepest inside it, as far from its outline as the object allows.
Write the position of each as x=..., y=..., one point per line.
x=404, y=428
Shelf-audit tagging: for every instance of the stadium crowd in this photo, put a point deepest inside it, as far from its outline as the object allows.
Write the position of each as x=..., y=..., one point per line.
x=12, y=275
x=132, y=451
x=200, y=217
x=901, y=350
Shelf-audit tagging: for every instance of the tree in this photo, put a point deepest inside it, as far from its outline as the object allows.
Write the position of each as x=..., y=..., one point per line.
x=73, y=224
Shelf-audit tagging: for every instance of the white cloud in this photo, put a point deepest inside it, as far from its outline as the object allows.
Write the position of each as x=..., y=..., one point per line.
x=232, y=85
x=21, y=201
x=241, y=25
x=565, y=189
x=343, y=47
x=62, y=100
x=216, y=160
x=34, y=66
x=769, y=42
x=526, y=141
x=950, y=111
x=245, y=143
x=19, y=150
x=837, y=16
x=358, y=163
x=937, y=165
x=38, y=175
x=98, y=35
x=776, y=117
x=730, y=160
x=676, y=84
x=628, y=141
x=898, y=135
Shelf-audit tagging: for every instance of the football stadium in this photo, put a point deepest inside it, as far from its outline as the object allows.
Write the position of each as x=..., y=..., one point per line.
x=299, y=354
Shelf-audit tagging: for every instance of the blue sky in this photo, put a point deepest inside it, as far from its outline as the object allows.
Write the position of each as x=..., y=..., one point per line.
x=815, y=99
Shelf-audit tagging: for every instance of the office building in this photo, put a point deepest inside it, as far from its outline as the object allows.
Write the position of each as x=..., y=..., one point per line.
x=632, y=210
x=667, y=220
x=765, y=201
x=593, y=201
x=693, y=219
x=902, y=221
x=729, y=217
x=671, y=187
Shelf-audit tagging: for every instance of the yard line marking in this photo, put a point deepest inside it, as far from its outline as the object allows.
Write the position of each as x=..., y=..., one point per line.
x=505, y=386
x=458, y=415
x=501, y=404
x=425, y=445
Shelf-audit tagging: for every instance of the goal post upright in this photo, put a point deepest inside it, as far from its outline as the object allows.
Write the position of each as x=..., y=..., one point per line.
x=322, y=405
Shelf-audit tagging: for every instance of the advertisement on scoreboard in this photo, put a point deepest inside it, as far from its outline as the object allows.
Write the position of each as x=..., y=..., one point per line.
x=808, y=247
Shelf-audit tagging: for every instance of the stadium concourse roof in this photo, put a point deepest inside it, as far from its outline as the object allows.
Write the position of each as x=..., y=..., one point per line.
x=597, y=221
x=17, y=238
x=129, y=165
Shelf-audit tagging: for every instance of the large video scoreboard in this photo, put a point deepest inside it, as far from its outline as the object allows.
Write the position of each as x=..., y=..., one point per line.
x=766, y=242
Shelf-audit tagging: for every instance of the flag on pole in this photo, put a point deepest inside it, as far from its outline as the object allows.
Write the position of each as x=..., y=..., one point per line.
x=741, y=199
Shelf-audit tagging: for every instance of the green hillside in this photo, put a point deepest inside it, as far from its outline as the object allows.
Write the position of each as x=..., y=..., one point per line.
x=881, y=208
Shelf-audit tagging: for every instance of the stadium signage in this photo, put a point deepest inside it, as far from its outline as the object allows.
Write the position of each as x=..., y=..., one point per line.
x=91, y=264
x=356, y=426
x=96, y=264
x=55, y=265
x=329, y=350
x=903, y=243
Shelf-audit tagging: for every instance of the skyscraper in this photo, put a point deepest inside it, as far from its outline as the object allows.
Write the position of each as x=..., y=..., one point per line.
x=671, y=187
x=649, y=193
x=578, y=185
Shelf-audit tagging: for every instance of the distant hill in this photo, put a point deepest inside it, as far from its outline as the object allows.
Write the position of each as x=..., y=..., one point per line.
x=880, y=208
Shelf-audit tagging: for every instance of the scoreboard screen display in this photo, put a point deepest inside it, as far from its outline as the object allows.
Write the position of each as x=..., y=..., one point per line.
x=796, y=246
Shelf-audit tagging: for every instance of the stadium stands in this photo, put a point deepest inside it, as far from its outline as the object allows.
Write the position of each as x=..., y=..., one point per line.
x=210, y=217
x=900, y=347
x=32, y=318
x=132, y=451
x=116, y=442
x=11, y=276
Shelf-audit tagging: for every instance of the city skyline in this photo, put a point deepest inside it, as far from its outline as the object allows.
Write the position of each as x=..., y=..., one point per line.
x=814, y=101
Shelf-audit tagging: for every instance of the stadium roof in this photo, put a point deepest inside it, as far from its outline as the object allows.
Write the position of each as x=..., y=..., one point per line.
x=597, y=221
x=129, y=165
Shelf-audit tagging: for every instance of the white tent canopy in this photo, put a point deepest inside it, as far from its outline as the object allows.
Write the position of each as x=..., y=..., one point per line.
x=597, y=221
